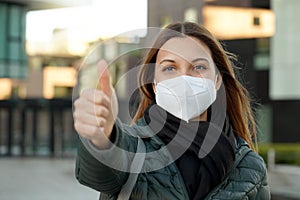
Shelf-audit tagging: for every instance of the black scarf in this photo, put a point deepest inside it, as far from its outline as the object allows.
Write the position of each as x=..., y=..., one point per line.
x=201, y=171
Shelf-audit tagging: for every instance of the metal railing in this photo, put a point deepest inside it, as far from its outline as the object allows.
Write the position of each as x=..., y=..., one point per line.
x=36, y=127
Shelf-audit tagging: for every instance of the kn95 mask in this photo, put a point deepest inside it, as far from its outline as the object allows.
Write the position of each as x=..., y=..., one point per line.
x=185, y=97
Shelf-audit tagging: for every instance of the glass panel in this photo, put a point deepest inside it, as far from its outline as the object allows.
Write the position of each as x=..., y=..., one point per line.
x=127, y=48
x=264, y=119
x=3, y=31
x=2, y=69
x=23, y=54
x=111, y=50
x=14, y=69
x=13, y=58
x=23, y=71
x=263, y=45
x=14, y=50
x=14, y=24
x=262, y=61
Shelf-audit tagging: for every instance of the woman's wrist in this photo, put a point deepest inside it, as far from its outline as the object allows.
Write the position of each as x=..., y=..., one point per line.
x=106, y=142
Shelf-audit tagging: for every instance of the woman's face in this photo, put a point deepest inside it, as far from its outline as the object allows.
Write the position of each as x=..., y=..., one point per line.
x=184, y=56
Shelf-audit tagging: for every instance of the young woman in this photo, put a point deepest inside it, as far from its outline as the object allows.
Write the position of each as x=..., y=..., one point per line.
x=193, y=135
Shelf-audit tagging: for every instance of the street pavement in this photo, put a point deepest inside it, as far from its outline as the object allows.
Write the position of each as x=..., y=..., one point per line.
x=54, y=179
x=284, y=182
x=41, y=179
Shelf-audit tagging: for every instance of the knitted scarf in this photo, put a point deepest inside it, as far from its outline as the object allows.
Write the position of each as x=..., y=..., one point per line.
x=201, y=171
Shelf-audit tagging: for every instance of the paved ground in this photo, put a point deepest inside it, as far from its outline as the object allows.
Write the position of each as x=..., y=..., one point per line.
x=285, y=182
x=41, y=179
x=53, y=179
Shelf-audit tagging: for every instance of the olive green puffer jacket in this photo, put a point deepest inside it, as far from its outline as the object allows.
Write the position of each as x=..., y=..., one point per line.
x=246, y=180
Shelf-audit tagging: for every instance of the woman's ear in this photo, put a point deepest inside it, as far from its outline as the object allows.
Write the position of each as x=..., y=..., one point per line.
x=219, y=80
x=154, y=88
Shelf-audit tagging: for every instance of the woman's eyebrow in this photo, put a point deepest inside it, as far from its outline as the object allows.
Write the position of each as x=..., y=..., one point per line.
x=166, y=60
x=193, y=61
x=200, y=59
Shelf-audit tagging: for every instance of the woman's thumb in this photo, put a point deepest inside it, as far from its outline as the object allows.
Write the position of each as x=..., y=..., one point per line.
x=104, y=78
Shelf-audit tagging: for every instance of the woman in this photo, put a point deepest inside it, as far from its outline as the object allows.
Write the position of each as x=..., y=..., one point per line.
x=194, y=131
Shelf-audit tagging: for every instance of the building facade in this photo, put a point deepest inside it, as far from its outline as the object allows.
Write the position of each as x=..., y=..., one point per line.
x=266, y=73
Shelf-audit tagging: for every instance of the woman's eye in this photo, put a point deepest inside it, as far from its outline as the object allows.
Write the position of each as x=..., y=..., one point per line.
x=200, y=67
x=168, y=68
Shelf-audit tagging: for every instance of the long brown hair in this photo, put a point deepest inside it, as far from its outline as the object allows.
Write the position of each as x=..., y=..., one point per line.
x=238, y=100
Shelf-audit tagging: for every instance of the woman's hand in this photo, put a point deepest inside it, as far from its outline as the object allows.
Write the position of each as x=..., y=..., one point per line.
x=96, y=110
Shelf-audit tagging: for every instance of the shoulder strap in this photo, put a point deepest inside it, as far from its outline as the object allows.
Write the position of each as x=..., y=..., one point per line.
x=135, y=169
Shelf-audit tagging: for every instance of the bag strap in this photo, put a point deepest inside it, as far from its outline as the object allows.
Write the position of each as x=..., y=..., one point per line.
x=135, y=169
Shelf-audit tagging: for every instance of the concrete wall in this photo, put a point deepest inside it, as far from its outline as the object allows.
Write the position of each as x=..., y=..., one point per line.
x=285, y=48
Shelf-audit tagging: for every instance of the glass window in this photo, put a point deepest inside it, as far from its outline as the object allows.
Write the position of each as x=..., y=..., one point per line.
x=14, y=50
x=2, y=69
x=3, y=31
x=13, y=58
x=14, y=69
x=264, y=119
x=262, y=61
x=14, y=25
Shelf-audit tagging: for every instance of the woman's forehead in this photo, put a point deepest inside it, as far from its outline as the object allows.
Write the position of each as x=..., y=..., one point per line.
x=188, y=48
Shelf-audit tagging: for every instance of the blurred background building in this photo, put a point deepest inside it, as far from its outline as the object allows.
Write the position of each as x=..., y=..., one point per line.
x=37, y=76
x=35, y=73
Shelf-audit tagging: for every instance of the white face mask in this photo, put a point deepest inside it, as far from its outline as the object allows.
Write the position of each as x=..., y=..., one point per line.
x=185, y=97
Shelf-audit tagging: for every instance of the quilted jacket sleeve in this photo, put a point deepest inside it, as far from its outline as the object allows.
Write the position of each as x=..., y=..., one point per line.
x=263, y=192
x=99, y=169
x=253, y=165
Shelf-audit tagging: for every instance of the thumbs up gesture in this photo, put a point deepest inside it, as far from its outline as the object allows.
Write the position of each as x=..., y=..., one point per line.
x=96, y=110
